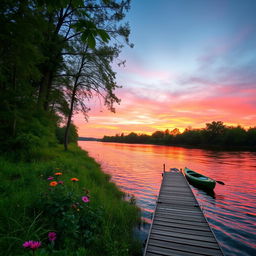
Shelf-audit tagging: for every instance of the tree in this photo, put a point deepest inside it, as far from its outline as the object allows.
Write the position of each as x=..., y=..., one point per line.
x=214, y=132
x=132, y=137
x=38, y=40
x=215, y=128
x=175, y=132
x=69, y=20
x=72, y=135
x=89, y=69
x=251, y=137
x=235, y=136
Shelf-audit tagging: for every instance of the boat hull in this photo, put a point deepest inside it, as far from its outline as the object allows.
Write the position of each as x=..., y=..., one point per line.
x=199, y=180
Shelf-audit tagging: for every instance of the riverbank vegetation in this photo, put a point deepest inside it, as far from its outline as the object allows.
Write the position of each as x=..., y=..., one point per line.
x=65, y=203
x=54, y=57
x=215, y=134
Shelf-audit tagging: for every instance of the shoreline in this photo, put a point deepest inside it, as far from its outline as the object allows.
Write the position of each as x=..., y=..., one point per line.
x=72, y=197
x=206, y=147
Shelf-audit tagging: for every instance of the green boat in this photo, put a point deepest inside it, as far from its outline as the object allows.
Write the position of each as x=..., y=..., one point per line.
x=199, y=180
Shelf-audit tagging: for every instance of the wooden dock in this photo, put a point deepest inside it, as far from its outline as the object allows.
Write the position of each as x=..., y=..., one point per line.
x=179, y=227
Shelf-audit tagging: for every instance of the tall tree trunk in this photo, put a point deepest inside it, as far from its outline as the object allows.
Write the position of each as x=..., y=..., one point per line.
x=46, y=85
x=70, y=116
x=53, y=49
x=43, y=89
x=48, y=92
x=73, y=101
x=14, y=123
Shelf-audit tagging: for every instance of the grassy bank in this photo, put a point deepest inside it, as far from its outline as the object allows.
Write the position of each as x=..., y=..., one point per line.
x=87, y=214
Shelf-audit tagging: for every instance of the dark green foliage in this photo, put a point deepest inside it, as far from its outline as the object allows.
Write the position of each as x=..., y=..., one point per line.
x=78, y=223
x=215, y=134
x=72, y=135
x=30, y=208
x=40, y=41
x=251, y=136
x=235, y=136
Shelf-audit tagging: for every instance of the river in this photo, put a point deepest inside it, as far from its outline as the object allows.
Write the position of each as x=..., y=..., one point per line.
x=231, y=210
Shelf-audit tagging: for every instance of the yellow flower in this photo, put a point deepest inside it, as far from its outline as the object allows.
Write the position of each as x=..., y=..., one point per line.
x=53, y=183
x=58, y=173
x=74, y=179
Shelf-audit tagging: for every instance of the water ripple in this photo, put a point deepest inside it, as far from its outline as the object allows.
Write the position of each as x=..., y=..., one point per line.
x=230, y=210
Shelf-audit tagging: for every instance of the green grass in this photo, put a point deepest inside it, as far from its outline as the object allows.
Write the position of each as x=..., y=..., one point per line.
x=30, y=208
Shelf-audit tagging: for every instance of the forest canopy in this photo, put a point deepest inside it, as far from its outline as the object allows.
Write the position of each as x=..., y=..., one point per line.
x=54, y=57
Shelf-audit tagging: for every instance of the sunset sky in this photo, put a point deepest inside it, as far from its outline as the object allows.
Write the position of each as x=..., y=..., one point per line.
x=194, y=62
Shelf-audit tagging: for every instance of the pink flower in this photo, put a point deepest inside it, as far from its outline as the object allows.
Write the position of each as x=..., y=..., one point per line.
x=61, y=182
x=27, y=244
x=85, y=199
x=50, y=178
x=33, y=245
x=52, y=236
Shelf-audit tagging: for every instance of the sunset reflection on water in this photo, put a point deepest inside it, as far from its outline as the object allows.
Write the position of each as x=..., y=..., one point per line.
x=230, y=210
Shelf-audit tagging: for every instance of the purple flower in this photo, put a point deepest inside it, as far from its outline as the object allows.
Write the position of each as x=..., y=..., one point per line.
x=33, y=245
x=50, y=178
x=85, y=199
x=61, y=182
x=52, y=236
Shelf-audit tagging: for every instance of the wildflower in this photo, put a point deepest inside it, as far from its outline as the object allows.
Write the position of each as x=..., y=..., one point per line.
x=60, y=182
x=74, y=179
x=85, y=199
x=52, y=236
x=50, y=178
x=58, y=173
x=33, y=245
x=27, y=244
x=53, y=183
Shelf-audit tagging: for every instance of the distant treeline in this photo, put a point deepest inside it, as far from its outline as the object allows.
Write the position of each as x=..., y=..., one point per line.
x=214, y=134
x=88, y=139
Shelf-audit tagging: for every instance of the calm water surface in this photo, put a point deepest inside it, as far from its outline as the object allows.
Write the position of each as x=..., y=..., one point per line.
x=231, y=210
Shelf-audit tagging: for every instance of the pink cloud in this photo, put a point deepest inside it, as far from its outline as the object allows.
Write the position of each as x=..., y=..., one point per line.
x=139, y=113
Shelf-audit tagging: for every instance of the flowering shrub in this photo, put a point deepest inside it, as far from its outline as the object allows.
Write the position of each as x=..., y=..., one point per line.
x=67, y=210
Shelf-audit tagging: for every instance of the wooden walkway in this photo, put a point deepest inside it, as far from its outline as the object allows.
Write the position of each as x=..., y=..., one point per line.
x=179, y=227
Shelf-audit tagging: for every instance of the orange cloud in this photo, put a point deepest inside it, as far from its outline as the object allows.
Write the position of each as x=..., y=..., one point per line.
x=144, y=113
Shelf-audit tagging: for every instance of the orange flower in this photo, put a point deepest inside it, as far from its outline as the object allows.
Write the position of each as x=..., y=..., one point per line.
x=74, y=179
x=58, y=173
x=53, y=183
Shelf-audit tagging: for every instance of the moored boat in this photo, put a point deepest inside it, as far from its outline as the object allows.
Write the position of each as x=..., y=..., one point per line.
x=199, y=180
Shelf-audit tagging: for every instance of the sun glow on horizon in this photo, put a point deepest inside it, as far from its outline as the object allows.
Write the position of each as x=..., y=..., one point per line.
x=171, y=83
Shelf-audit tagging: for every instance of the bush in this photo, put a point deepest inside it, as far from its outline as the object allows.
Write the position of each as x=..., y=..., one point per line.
x=67, y=210
x=72, y=134
x=31, y=208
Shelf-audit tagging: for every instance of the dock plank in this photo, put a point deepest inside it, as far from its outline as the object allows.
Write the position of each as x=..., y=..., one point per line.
x=185, y=248
x=179, y=227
